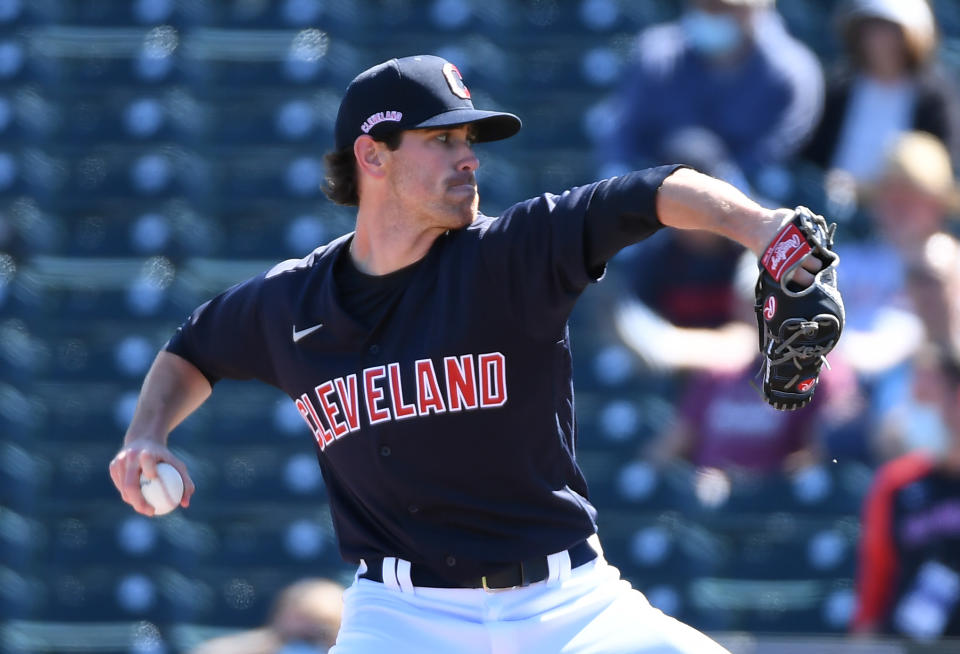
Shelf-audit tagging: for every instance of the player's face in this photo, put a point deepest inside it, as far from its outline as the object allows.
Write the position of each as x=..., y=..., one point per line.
x=432, y=177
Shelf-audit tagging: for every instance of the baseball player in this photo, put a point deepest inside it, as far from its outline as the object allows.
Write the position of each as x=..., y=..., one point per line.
x=428, y=354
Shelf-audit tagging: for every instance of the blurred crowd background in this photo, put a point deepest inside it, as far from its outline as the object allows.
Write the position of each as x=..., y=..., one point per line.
x=154, y=152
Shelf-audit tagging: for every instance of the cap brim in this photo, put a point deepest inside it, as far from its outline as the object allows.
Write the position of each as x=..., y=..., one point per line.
x=491, y=125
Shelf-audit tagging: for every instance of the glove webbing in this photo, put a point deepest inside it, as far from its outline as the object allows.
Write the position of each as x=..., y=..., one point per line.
x=807, y=328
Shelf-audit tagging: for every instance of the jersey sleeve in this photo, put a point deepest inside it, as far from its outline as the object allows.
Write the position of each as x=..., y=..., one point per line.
x=622, y=211
x=224, y=337
x=545, y=251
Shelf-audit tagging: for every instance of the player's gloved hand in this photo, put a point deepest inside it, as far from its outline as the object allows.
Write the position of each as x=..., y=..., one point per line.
x=143, y=455
x=798, y=324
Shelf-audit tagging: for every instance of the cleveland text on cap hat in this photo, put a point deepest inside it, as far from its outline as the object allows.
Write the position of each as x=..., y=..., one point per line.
x=416, y=92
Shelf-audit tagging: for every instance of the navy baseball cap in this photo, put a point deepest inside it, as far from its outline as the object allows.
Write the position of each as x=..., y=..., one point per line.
x=414, y=93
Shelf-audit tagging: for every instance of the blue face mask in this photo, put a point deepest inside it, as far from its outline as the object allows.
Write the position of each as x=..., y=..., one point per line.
x=299, y=647
x=711, y=34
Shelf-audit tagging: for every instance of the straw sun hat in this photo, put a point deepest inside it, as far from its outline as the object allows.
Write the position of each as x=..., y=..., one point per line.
x=921, y=160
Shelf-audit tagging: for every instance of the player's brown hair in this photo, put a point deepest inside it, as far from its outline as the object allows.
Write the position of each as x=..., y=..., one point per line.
x=340, y=182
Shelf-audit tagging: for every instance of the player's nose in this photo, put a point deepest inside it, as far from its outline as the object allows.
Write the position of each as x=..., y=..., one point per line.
x=468, y=161
x=466, y=158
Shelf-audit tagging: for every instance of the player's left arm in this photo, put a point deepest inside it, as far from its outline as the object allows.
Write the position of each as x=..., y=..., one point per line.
x=691, y=200
x=799, y=309
x=625, y=210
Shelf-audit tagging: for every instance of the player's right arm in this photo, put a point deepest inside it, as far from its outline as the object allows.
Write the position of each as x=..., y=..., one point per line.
x=222, y=338
x=173, y=389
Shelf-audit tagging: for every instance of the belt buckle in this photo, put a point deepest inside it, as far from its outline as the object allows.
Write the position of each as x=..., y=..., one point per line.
x=483, y=582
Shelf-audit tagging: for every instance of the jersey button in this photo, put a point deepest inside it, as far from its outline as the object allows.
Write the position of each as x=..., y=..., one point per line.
x=374, y=349
x=385, y=450
x=451, y=560
x=413, y=508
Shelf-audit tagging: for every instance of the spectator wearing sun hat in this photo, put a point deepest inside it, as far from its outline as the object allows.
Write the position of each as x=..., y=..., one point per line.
x=909, y=207
x=889, y=82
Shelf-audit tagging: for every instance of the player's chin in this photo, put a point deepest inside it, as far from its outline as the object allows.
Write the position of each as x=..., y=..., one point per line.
x=464, y=212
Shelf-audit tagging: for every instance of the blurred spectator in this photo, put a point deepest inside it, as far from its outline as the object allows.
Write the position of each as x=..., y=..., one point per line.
x=681, y=290
x=908, y=206
x=305, y=620
x=728, y=79
x=698, y=268
x=933, y=285
x=723, y=422
x=889, y=83
x=680, y=312
x=909, y=573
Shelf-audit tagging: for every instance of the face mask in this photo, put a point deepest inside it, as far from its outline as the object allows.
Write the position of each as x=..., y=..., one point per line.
x=299, y=647
x=926, y=430
x=711, y=34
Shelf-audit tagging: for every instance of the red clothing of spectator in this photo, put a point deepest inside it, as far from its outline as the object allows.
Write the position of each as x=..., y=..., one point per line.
x=909, y=573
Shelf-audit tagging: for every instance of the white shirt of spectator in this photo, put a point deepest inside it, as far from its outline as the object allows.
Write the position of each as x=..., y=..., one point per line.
x=876, y=114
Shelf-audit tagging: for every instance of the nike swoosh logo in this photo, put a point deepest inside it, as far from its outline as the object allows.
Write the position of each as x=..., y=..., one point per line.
x=297, y=335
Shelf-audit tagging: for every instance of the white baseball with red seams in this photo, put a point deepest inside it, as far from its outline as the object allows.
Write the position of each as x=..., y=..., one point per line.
x=163, y=492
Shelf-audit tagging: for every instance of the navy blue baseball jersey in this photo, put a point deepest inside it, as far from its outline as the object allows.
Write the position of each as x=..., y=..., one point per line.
x=445, y=426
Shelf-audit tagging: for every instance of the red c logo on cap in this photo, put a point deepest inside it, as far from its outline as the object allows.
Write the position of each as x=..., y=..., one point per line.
x=455, y=80
x=770, y=307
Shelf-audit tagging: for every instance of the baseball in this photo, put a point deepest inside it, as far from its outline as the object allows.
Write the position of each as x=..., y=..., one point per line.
x=165, y=491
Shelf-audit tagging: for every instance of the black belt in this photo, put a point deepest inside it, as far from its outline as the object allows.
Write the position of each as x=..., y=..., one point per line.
x=510, y=575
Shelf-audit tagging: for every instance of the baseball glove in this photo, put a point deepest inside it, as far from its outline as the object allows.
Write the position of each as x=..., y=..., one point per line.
x=798, y=326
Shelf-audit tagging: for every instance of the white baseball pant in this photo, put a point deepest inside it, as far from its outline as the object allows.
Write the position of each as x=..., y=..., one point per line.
x=587, y=610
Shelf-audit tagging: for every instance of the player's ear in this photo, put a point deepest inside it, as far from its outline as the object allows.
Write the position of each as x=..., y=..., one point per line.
x=369, y=155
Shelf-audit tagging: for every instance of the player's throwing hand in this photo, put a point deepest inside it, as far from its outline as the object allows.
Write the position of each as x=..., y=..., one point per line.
x=142, y=456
